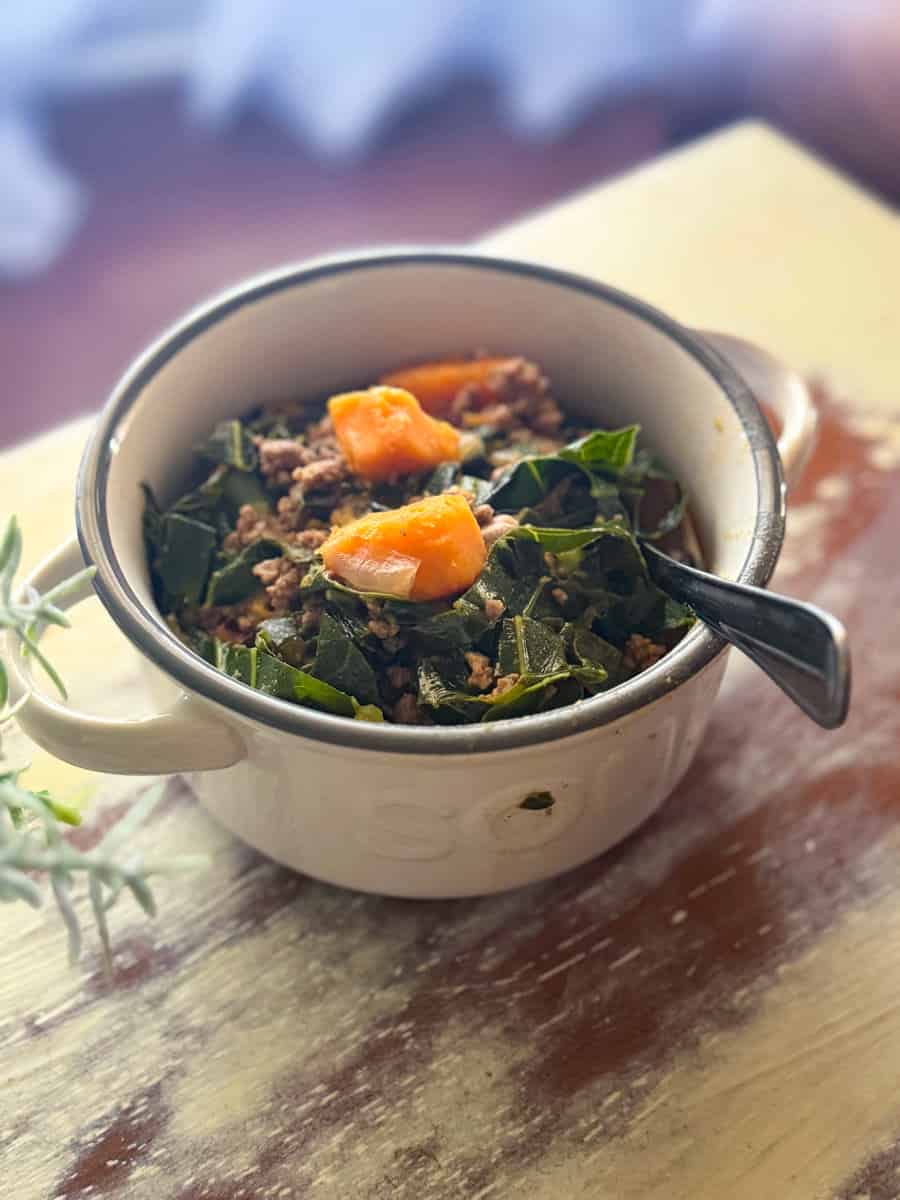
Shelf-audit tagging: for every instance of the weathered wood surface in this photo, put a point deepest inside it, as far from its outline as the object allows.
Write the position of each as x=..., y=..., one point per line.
x=710, y=1010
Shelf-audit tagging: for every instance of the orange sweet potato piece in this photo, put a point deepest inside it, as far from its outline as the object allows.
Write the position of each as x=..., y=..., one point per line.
x=383, y=432
x=426, y=550
x=436, y=384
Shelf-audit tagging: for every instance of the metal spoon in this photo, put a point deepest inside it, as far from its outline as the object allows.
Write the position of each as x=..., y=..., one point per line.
x=803, y=649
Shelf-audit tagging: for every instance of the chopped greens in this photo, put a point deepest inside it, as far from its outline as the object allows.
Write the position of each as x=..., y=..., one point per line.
x=230, y=443
x=562, y=609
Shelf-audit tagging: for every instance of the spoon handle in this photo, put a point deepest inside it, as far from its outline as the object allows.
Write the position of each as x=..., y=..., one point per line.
x=801, y=647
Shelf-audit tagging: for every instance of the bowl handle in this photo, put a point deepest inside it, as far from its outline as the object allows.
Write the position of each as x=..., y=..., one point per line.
x=782, y=390
x=185, y=737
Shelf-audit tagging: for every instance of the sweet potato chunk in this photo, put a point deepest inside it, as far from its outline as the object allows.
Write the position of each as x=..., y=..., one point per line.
x=426, y=550
x=383, y=432
x=435, y=385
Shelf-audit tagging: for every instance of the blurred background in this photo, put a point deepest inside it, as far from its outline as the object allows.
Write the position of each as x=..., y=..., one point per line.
x=152, y=151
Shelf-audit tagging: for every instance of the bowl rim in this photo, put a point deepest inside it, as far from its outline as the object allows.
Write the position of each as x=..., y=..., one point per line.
x=163, y=648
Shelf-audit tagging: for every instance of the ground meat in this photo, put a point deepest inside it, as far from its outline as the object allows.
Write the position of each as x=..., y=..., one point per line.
x=500, y=525
x=406, y=710
x=504, y=683
x=278, y=459
x=481, y=673
x=641, y=652
x=284, y=590
x=525, y=389
x=228, y=622
x=268, y=570
x=281, y=579
x=498, y=416
x=399, y=677
x=494, y=608
x=311, y=539
x=321, y=431
x=466, y=400
x=321, y=473
x=515, y=394
x=250, y=527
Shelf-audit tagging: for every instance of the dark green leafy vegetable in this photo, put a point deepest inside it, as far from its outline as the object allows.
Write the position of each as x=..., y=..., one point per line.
x=259, y=669
x=283, y=636
x=219, y=499
x=589, y=466
x=590, y=650
x=529, y=647
x=442, y=689
x=183, y=556
x=646, y=474
x=230, y=443
x=341, y=663
x=529, y=696
x=449, y=475
x=234, y=580
x=611, y=449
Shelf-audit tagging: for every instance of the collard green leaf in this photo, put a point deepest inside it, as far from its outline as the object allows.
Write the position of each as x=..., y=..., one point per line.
x=585, y=468
x=184, y=555
x=650, y=486
x=234, y=580
x=442, y=689
x=448, y=475
x=676, y=617
x=231, y=444
x=195, y=638
x=367, y=712
x=442, y=477
x=591, y=650
x=529, y=647
x=277, y=678
x=152, y=520
x=259, y=669
x=612, y=449
x=340, y=662
x=528, y=482
x=527, y=697
x=283, y=637
x=240, y=662
x=239, y=488
x=591, y=679
x=219, y=499
x=442, y=685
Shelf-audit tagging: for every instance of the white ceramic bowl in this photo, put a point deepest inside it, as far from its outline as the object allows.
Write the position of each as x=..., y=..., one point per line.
x=421, y=811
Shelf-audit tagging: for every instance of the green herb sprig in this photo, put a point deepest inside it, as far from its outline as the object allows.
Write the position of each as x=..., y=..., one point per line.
x=25, y=614
x=32, y=845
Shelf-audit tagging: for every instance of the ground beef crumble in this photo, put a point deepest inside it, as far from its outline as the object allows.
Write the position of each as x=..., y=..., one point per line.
x=641, y=652
x=515, y=396
x=494, y=608
x=504, y=683
x=279, y=458
x=500, y=525
x=481, y=672
x=281, y=579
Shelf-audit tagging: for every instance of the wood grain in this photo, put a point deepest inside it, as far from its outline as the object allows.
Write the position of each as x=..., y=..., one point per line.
x=710, y=1010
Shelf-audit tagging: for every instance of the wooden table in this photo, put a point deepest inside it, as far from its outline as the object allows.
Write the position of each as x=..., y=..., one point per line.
x=712, y=1010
